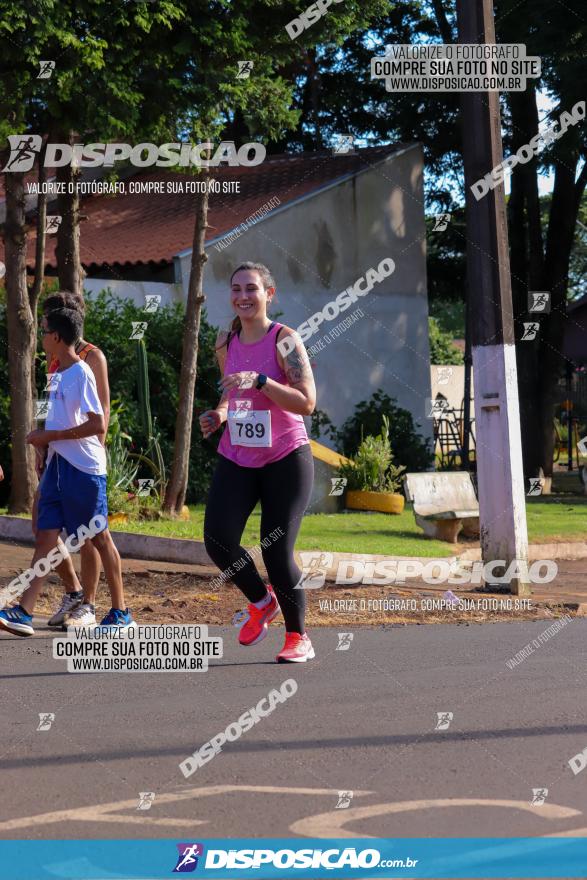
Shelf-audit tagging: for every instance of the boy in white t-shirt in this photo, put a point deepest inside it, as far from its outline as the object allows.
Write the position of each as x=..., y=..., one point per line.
x=73, y=486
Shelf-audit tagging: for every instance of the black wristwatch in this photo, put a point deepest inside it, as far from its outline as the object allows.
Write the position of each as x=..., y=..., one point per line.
x=262, y=380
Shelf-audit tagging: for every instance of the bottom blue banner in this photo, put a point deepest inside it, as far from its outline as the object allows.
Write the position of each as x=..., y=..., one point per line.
x=453, y=858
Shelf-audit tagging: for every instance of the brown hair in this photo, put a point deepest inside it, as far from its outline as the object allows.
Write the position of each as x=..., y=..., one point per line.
x=64, y=299
x=266, y=278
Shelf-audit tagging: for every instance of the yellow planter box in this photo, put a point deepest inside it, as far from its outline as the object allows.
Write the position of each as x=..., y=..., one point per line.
x=382, y=502
x=114, y=518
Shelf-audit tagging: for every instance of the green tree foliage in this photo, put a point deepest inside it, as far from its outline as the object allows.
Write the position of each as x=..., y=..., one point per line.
x=442, y=350
x=409, y=447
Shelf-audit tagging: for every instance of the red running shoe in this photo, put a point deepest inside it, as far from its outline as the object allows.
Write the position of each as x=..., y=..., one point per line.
x=297, y=649
x=255, y=627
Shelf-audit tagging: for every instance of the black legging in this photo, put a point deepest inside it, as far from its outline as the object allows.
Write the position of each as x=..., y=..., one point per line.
x=284, y=489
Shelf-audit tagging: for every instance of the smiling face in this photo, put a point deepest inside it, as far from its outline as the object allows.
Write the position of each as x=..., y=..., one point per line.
x=248, y=296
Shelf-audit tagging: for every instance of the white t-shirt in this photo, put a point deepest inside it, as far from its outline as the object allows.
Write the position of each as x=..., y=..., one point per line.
x=72, y=394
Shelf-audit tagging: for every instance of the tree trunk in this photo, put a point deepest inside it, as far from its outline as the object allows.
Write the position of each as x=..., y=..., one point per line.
x=37, y=286
x=526, y=260
x=176, y=488
x=21, y=350
x=566, y=197
x=69, y=265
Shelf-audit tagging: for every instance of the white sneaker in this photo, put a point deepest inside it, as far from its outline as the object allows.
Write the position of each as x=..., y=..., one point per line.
x=83, y=615
x=69, y=601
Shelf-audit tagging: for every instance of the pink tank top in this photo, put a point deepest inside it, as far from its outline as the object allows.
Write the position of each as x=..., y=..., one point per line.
x=258, y=431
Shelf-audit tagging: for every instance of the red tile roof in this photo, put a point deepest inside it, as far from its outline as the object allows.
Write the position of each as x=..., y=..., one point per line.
x=128, y=229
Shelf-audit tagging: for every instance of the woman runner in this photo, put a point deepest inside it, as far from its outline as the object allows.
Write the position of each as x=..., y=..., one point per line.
x=265, y=457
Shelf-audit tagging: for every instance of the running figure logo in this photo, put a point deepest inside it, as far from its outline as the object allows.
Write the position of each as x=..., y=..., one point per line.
x=539, y=795
x=539, y=301
x=245, y=68
x=46, y=719
x=338, y=485
x=146, y=799
x=344, y=800
x=443, y=375
x=152, y=302
x=187, y=860
x=138, y=329
x=441, y=222
x=530, y=331
x=343, y=146
x=23, y=151
x=146, y=486
x=344, y=641
x=314, y=569
x=46, y=68
x=52, y=223
x=536, y=484
x=444, y=719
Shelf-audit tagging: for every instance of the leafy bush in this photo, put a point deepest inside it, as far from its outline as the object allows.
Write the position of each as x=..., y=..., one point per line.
x=108, y=325
x=442, y=350
x=372, y=469
x=409, y=447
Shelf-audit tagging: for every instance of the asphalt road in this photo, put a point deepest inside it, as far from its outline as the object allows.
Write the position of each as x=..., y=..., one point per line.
x=363, y=720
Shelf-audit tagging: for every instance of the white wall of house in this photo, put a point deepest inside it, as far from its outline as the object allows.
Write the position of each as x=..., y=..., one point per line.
x=319, y=245
x=136, y=290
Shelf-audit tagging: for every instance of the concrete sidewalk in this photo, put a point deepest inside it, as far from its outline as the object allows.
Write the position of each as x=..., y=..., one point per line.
x=568, y=589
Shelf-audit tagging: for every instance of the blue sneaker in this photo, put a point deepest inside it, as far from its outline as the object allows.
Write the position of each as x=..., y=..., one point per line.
x=17, y=621
x=118, y=619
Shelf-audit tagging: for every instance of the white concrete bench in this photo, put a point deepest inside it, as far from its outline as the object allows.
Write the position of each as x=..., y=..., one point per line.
x=444, y=503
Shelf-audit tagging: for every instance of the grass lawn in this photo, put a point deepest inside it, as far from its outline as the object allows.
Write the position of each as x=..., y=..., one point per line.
x=549, y=518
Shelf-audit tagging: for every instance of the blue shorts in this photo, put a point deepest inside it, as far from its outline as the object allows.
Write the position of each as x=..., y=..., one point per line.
x=69, y=498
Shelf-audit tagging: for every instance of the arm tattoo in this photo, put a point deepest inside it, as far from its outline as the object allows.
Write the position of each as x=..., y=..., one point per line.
x=297, y=365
